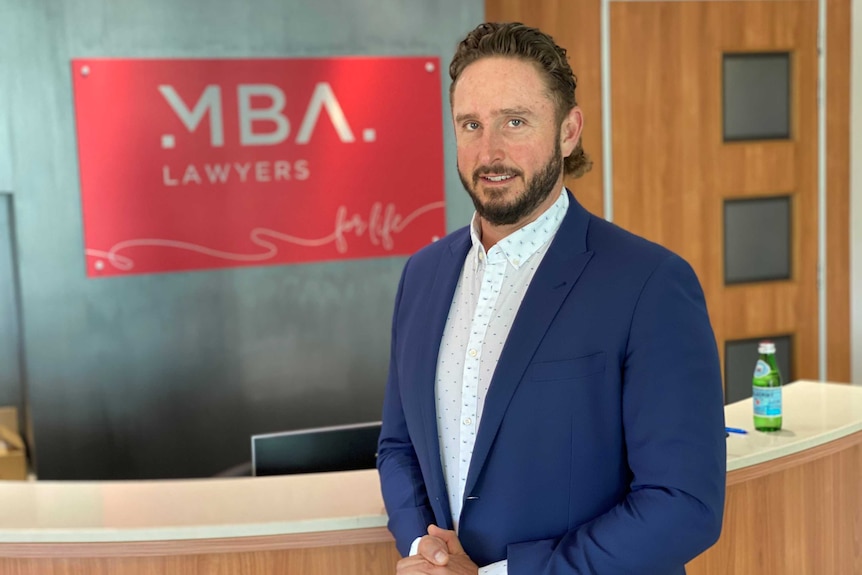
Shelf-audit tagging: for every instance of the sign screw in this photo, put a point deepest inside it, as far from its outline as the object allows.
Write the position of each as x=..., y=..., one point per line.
x=85, y=71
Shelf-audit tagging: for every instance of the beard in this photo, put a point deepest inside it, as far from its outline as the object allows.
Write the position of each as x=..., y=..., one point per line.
x=495, y=210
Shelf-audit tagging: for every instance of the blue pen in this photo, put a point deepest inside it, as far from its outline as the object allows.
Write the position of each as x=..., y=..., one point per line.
x=735, y=430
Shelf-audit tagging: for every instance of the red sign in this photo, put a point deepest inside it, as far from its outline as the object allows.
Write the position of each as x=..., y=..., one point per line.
x=193, y=164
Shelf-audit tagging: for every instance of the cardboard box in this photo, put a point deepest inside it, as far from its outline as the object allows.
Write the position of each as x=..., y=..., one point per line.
x=13, y=456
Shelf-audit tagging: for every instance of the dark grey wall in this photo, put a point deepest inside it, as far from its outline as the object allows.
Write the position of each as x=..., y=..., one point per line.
x=168, y=375
x=10, y=373
x=11, y=392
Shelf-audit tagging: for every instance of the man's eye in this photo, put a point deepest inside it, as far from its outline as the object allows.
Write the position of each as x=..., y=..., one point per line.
x=515, y=122
x=472, y=125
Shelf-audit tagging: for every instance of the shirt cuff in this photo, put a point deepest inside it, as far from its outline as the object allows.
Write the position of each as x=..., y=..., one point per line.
x=414, y=547
x=498, y=568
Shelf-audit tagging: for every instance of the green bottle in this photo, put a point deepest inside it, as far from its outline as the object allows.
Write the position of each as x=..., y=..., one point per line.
x=766, y=390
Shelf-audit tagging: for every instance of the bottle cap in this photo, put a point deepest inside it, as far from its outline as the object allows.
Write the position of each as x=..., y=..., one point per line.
x=766, y=347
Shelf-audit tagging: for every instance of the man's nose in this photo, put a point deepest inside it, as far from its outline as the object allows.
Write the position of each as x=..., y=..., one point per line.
x=492, y=148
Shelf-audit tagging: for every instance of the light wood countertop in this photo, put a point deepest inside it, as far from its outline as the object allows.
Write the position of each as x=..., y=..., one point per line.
x=112, y=511
x=814, y=414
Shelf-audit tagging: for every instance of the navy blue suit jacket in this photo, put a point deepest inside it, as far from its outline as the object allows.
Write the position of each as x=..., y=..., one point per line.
x=601, y=447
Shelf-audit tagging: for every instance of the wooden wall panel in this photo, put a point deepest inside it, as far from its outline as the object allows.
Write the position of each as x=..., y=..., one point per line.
x=673, y=171
x=576, y=27
x=749, y=169
x=838, y=189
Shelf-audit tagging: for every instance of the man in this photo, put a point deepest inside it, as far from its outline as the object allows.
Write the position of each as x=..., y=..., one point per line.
x=554, y=402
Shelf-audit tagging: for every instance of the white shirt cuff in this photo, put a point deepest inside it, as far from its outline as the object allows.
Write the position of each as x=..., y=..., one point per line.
x=414, y=547
x=498, y=568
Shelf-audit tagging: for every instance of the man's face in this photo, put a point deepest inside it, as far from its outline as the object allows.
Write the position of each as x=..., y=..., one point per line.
x=509, y=141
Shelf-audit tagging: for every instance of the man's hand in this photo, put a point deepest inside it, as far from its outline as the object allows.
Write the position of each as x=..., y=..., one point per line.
x=440, y=553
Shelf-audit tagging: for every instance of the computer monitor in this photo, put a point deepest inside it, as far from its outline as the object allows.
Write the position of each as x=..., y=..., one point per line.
x=338, y=448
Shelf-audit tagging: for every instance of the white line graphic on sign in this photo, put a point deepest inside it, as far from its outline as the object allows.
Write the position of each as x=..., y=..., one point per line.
x=381, y=225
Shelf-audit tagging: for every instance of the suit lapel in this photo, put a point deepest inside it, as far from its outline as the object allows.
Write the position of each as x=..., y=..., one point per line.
x=439, y=302
x=557, y=274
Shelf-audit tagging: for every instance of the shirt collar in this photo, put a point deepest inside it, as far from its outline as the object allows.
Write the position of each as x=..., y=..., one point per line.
x=520, y=245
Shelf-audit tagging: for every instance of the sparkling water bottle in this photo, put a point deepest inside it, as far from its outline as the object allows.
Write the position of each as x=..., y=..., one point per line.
x=766, y=390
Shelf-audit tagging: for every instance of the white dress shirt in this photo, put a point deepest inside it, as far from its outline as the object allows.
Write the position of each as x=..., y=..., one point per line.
x=487, y=298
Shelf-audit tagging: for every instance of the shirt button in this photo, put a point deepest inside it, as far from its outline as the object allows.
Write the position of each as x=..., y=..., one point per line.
x=468, y=421
x=473, y=353
x=481, y=255
x=516, y=261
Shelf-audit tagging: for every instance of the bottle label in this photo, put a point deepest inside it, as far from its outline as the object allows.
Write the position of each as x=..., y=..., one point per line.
x=761, y=368
x=767, y=401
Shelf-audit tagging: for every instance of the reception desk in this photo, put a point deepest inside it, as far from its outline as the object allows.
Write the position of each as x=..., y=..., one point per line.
x=794, y=497
x=794, y=505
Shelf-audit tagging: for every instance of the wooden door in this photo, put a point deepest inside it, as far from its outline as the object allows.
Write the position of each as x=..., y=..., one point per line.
x=674, y=170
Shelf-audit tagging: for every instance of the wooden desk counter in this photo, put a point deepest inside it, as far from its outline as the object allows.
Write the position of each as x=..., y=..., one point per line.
x=316, y=523
x=794, y=506
x=794, y=497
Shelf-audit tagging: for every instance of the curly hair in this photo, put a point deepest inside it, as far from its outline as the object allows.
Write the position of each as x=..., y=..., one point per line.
x=515, y=40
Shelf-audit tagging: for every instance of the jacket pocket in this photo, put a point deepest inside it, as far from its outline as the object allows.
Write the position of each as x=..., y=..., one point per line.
x=568, y=368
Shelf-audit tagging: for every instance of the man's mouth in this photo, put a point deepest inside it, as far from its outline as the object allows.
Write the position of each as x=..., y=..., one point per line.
x=492, y=179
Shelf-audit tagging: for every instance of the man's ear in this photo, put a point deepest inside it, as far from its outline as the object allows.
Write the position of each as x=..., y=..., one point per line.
x=570, y=131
